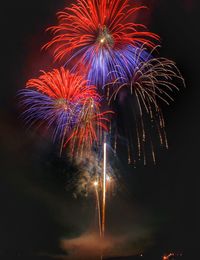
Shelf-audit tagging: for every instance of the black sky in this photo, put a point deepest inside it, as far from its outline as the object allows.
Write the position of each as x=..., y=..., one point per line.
x=36, y=209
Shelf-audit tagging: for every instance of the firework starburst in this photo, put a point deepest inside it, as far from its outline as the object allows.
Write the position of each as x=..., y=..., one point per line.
x=101, y=34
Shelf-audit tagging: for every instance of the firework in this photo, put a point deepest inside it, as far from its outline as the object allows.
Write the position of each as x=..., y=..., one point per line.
x=111, y=60
x=57, y=100
x=151, y=81
x=96, y=184
x=101, y=34
x=104, y=189
x=90, y=169
x=89, y=129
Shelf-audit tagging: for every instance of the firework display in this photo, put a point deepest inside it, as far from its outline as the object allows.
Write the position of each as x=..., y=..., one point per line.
x=64, y=102
x=89, y=129
x=102, y=41
x=150, y=81
x=101, y=34
x=110, y=72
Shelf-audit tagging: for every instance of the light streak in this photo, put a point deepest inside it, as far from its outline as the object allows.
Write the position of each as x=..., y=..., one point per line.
x=98, y=207
x=104, y=191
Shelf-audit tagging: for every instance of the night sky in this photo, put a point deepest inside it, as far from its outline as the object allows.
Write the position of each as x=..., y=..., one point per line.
x=36, y=207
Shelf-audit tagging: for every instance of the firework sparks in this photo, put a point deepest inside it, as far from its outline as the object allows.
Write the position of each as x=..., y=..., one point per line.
x=90, y=172
x=96, y=186
x=89, y=130
x=101, y=34
x=58, y=99
x=152, y=80
x=111, y=60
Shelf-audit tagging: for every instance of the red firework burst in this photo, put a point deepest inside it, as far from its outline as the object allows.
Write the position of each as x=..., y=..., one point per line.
x=90, y=128
x=60, y=84
x=98, y=23
x=71, y=107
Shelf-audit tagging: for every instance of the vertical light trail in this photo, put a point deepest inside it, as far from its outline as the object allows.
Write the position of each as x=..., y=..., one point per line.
x=104, y=191
x=98, y=208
